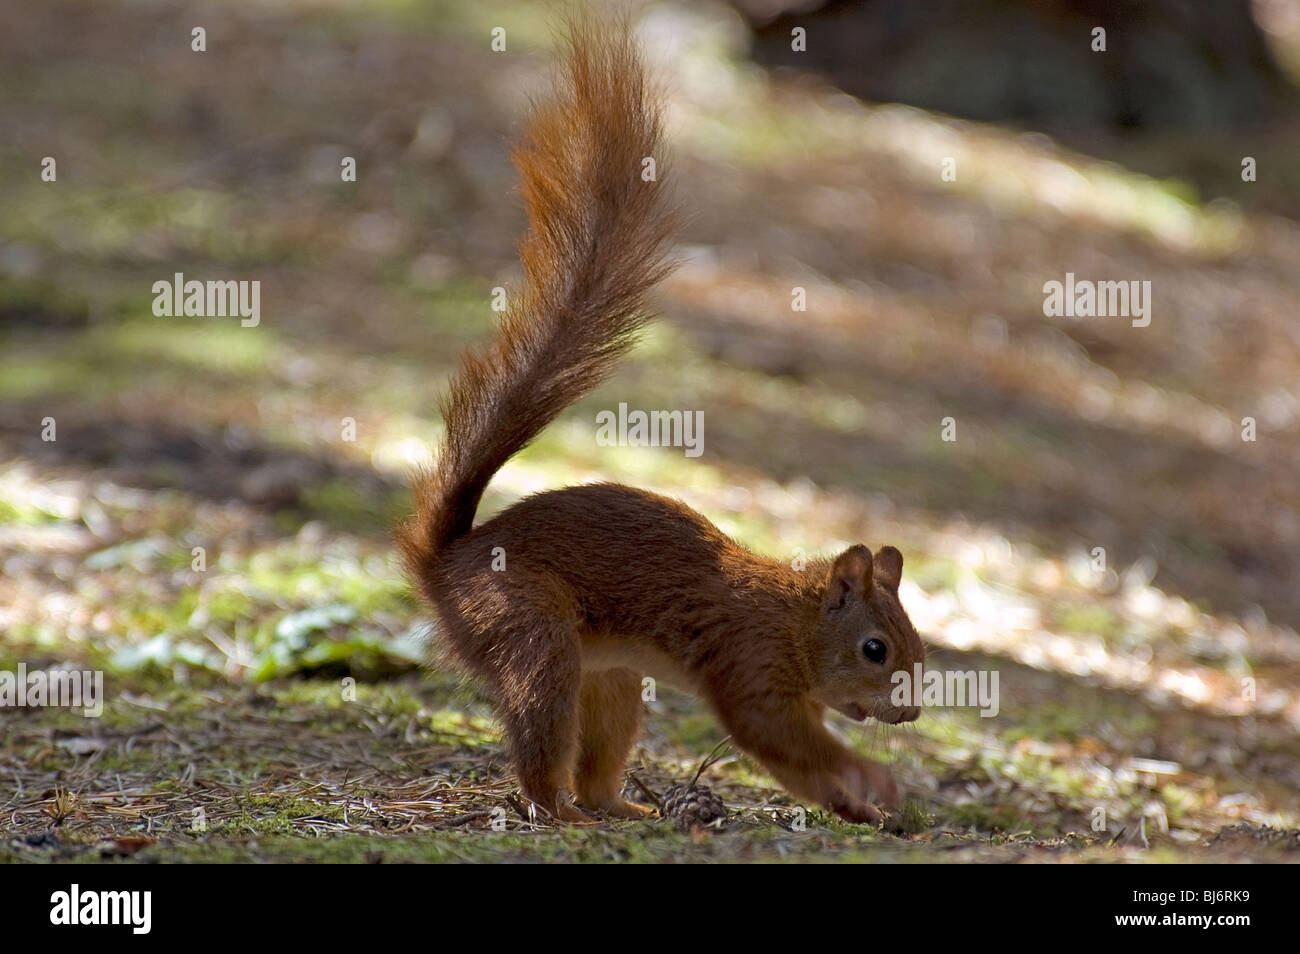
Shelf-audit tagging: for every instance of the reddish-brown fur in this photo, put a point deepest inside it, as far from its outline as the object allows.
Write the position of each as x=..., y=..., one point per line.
x=603, y=584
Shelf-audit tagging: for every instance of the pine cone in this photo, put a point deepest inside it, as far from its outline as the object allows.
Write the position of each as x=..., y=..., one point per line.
x=689, y=806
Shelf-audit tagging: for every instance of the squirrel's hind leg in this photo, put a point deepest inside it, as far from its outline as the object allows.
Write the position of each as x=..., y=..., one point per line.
x=609, y=721
x=536, y=677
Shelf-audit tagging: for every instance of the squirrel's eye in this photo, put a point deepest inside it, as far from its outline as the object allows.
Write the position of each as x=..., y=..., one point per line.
x=874, y=650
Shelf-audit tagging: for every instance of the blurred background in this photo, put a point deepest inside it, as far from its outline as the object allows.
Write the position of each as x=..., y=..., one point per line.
x=1099, y=533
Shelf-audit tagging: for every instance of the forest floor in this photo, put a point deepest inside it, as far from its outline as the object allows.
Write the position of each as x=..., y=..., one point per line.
x=1099, y=535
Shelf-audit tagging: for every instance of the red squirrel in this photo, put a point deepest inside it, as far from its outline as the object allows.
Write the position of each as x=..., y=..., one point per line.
x=604, y=583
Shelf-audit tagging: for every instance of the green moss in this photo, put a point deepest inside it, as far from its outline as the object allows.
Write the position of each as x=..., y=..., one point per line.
x=289, y=808
x=1073, y=718
x=11, y=513
x=911, y=820
x=697, y=732
x=212, y=345
x=1088, y=619
x=457, y=726
x=985, y=817
x=344, y=505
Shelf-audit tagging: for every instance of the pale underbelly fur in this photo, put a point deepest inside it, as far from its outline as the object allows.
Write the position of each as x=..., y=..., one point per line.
x=613, y=652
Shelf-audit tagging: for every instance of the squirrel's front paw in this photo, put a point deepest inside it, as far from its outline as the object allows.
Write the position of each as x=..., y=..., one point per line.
x=857, y=811
x=871, y=781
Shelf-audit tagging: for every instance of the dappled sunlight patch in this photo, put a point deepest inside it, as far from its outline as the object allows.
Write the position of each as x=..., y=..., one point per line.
x=755, y=124
x=1131, y=635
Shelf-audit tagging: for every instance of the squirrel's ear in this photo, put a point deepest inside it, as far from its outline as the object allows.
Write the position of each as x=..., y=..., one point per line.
x=889, y=567
x=850, y=573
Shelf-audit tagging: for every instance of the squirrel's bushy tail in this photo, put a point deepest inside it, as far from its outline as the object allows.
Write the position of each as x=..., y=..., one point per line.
x=595, y=246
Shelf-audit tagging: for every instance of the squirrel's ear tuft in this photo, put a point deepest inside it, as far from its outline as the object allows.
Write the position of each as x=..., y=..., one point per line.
x=850, y=573
x=889, y=567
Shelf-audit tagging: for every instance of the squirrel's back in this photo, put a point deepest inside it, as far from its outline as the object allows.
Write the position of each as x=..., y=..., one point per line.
x=596, y=245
